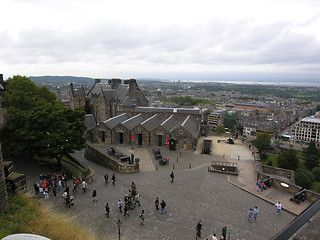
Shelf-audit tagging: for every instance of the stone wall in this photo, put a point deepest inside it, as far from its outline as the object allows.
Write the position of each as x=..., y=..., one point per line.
x=280, y=172
x=96, y=156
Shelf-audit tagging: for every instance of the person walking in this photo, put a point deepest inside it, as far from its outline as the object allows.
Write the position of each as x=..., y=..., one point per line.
x=163, y=207
x=255, y=213
x=156, y=203
x=106, y=177
x=199, y=226
x=172, y=176
x=107, y=210
x=54, y=191
x=120, y=205
x=36, y=188
x=125, y=210
x=136, y=199
x=224, y=232
x=279, y=207
x=142, y=216
x=84, y=186
x=113, y=179
x=250, y=215
x=94, y=195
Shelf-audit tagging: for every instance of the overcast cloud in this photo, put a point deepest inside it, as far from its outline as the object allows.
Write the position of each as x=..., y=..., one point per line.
x=171, y=39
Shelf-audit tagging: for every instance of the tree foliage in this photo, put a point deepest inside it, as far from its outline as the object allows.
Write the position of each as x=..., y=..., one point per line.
x=312, y=155
x=220, y=129
x=288, y=159
x=303, y=178
x=38, y=124
x=229, y=120
x=316, y=173
x=262, y=141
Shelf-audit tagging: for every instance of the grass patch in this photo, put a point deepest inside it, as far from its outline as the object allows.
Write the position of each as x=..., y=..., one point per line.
x=66, y=159
x=272, y=158
x=27, y=215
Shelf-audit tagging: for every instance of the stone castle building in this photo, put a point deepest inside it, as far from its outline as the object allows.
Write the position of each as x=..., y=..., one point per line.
x=106, y=100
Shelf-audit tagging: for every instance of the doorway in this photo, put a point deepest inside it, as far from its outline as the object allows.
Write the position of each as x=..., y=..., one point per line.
x=121, y=138
x=159, y=140
x=139, y=139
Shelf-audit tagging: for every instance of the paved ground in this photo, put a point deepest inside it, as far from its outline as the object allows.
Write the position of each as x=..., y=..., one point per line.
x=215, y=198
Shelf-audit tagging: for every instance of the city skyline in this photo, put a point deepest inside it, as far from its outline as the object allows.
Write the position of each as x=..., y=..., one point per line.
x=187, y=40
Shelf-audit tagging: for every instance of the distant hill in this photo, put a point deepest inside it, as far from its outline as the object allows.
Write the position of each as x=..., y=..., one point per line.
x=60, y=79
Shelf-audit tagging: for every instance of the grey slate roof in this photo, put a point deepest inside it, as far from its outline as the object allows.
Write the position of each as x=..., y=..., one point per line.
x=134, y=121
x=170, y=123
x=78, y=91
x=191, y=126
x=152, y=122
x=112, y=122
x=108, y=94
x=188, y=110
x=90, y=121
x=128, y=102
x=96, y=88
x=121, y=91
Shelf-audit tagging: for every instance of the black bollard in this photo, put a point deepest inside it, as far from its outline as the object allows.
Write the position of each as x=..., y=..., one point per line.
x=173, y=166
x=177, y=159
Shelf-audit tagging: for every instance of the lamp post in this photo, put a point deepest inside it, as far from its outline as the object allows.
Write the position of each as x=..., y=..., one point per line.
x=119, y=224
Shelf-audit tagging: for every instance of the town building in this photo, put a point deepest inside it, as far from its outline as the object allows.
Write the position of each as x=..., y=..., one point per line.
x=308, y=130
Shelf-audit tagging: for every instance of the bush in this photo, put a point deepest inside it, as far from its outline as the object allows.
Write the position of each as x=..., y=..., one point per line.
x=263, y=156
x=303, y=178
x=269, y=163
x=316, y=173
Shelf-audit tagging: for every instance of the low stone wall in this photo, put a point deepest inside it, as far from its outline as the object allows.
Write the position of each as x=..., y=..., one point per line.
x=18, y=182
x=280, y=172
x=96, y=156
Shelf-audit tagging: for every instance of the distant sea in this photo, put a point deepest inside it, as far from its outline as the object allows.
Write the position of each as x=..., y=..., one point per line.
x=304, y=83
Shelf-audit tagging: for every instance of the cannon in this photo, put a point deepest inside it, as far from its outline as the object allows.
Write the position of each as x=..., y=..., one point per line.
x=267, y=183
x=124, y=158
x=299, y=196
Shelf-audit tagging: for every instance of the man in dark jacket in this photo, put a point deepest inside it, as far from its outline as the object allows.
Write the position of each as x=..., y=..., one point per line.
x=199, y=226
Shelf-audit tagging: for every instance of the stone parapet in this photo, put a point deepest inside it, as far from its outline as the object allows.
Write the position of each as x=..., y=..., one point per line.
x=96, y=156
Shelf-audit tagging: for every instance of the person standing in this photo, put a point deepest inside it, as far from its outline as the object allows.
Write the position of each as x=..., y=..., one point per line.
x=132, y=158
x=199, y=226
x=163, y=207
x=36, y=188
x=262, y=187
x=250, y=215
x=54, y=191
x=255, y=213
x=106, y=177
x=224, y=232
x=120, y=205
x=156, y=203
x=214, y=237
x=84, y=186
x=125, y=210
x=258, y=185
x=94, y=195
x=113, y=179
x=107, y=210
x=279, y=206
x=172, y=176
x=142, y=216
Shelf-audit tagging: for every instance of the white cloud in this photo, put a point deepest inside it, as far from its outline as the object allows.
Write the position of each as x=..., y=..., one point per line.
x=135, y=38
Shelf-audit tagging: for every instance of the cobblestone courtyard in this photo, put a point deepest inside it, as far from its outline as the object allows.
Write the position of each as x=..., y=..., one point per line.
x=195, y=194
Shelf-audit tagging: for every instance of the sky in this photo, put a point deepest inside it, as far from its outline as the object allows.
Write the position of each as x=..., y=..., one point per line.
x=199, y=40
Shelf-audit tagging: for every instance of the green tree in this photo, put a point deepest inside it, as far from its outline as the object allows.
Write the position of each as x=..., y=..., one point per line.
x=288, y=159
x=311, y=161
x=262, y=141
x=316, y=173
x=311, y=149
x=302, y=179
x=220, y=129
x=229, y=120
x=40, y=125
